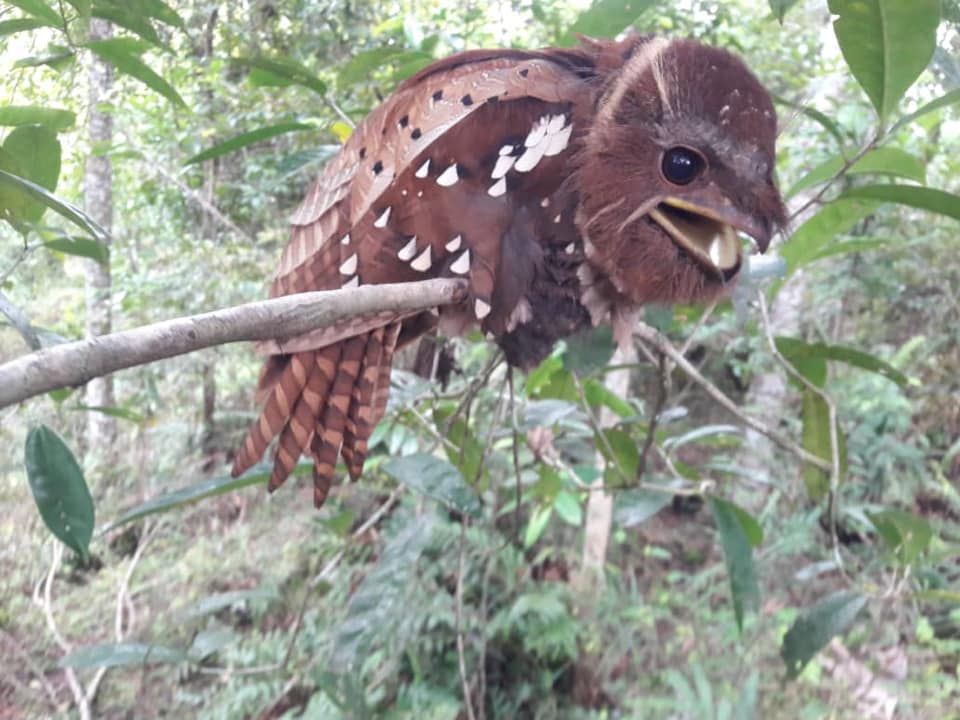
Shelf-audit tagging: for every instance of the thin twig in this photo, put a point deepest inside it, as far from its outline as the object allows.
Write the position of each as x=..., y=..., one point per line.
x=655, y=411
x=461, y=654
x=836, y=176
x=653, y=337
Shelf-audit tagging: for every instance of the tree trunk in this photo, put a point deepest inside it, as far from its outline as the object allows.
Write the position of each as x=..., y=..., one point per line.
x=98, y=202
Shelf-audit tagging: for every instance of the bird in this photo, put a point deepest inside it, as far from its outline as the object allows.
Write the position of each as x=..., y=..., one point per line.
x=568, y=186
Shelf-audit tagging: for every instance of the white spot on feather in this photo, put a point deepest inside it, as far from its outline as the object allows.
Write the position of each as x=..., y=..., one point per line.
x=498, y=188
x=345, y=240
x=506, y=149
x=558, y=142
x=545, y=202
x=349, y=266
x=381, y=222
x=454, y=244
x=569, y=249
x=504, y=163
x=409, y=250
x=538, y=133
x=422, y=263
x=556, y=220
x=531, y=156
x=449, y=176
x=556, y=124
x=352, y=282
x=423, y=170
x=462, y=264
x=481, y=308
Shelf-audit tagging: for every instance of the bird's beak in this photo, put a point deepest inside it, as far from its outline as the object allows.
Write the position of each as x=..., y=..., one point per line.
x=706, y=225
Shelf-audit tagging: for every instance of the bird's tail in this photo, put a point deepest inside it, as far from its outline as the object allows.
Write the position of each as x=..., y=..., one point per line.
x=325, y=402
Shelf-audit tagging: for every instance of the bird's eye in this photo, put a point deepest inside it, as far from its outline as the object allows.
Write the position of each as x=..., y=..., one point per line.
x=681, y=165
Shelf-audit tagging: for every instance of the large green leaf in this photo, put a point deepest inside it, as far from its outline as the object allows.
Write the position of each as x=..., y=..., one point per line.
x=80, y=246
x=128, y=19
x=887, y=44
x=11, y=27
x=605, y=18
x=466, y=452
x=59, y=489
x=55, y=56
x=922, y=198
x=247, y=138
x=156, y=9
x=882, y=161
x=817, y=232
x=812, y=631
x=34, y=149
x=779, y=8
x=117, y=52
x=632, y=507
x=39, y=9
x=288, y=69
x=795, y=349
x=121, y=655
x=736, y=528
x=435, y=478
x=53, y=118
x=190, y=495
x=815, y=414
x=364, y=63
x=621, y=453
x=906, y=535
x=72, y=213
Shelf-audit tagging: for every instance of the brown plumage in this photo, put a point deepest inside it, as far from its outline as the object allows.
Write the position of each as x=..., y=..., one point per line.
x=569, y=186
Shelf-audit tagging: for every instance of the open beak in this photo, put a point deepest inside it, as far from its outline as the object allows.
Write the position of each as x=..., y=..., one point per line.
x=707, y=228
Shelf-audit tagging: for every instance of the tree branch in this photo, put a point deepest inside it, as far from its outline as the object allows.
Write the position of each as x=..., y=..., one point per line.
x=75, y=363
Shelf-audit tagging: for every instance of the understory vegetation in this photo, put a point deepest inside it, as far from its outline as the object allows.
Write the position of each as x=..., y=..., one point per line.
x=784, y=466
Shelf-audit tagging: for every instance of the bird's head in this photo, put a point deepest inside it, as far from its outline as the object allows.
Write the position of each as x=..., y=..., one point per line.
x=677, y=164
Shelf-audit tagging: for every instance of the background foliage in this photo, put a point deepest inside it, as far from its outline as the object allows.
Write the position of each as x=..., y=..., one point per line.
x=455, y=563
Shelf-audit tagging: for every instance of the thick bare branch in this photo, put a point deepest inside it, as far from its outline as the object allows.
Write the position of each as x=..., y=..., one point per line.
x=73, y=364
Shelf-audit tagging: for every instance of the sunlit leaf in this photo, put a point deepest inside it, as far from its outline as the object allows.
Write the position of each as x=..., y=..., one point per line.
x=35, y=150
x=38, y=9
x=733, y=524
x=62, y=207
x=886, y=43
x=850, y=246
x=364, y=63
x=287, y=69
x=943, y=101
x=815, y=414
x=598, y=394
x=605, y=19
x=906, y=535
x=795, y=349
x=568, y=508
x=779, y=8
x=130, y=20
x=817, y=232
x=80, y=246
x=621, y=452
x=882, y=161
x=537, y=524
x=922, y=198
x=11, y=27
x=59, y=489
x=246, y=139
x=812, y=631
x=56, y=56
x=435, y=478
x=118, y=54
x=121, y=655
x=53, y=118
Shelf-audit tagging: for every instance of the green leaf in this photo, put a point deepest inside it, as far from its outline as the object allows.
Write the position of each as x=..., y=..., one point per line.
x=604, y=18
x=118, y=412
x=247, y=138
x=56, y=56
x=435, y=478
x=208, y=642
x=372, y=612
x=467, y=453
x=812, y=631
x=53, y=118
x=633, y=507
x=811, y=237
x=62, y=207
x=80, y=246
x=568, y=508
x=287, y=69
x=598, y=394
x=779, y=8
x=732, y=524
x=795, y=349
x=11, y=27
x=220, y=601
x=943, y=101
x=906, y=535
x=589, y=350
x=751, y=528
x=126, y=18
x=850, y=246
x=362, y=65
x=882, y=161
x=887, y=44
x=625, y=457
x=937, y=201
x=537, y=524
x=117, y=52
x=39, y=9
x=59, y=490
x=188, y=496
x=121, y=655
x=35, y=149
x=156, y=9
x=816, y=440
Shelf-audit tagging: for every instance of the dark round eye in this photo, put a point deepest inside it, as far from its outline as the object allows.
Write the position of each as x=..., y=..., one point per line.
x=682, y=165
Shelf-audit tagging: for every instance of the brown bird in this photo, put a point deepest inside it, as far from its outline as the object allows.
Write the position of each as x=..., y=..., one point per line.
x=568, y=186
